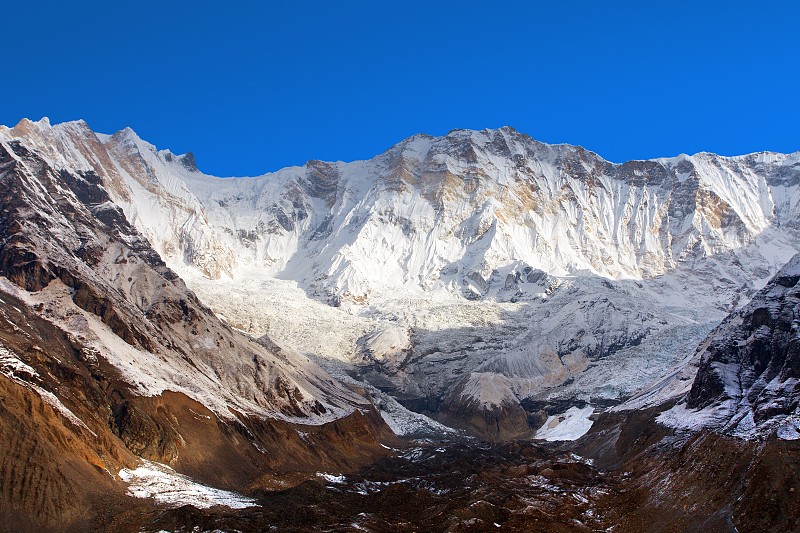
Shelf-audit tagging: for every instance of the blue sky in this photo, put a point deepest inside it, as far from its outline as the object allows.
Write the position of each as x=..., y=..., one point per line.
x=250, y=87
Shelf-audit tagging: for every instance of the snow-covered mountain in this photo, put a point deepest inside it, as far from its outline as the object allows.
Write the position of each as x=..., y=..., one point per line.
x=107, y=359
x=437, y=212
x=467, y=273
x=496, y=284
x=106, y=279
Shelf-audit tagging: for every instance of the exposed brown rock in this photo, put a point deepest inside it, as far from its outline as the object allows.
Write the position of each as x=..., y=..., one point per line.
x=508, y=421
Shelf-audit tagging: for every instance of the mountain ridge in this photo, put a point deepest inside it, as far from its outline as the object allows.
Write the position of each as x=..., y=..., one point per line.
x=45, y=121
x=522, y=228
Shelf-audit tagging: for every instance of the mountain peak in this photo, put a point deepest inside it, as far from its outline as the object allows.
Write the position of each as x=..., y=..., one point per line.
x=187, y=160
x=42, y=122
x=27, y=126
x=126, y=133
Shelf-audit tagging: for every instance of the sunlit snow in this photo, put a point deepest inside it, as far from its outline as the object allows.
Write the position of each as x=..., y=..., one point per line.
x=570, y=425
x=160, y=482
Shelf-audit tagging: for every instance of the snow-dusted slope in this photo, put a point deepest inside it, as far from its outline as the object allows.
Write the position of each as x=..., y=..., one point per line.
x=68, y=252
x=106, y=358
x=474, y=269
x=747, y=382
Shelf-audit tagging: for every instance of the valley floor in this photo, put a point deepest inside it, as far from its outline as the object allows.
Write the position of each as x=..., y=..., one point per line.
x=467, y=485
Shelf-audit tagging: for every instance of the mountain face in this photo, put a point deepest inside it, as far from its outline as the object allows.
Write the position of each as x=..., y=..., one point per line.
x=76, y=242
x=446, y=212
x=108, y=360
x=512, y=289
x=746, y=384
x=480, y=277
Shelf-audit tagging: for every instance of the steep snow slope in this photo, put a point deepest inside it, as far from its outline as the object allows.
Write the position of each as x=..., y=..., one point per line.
x=468, y=271
x=438, y=212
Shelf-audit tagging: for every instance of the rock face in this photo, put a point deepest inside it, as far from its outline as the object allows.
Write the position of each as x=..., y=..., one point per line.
x=714, y=446
x=748, y=374
x=106, y=358
x=499, y=259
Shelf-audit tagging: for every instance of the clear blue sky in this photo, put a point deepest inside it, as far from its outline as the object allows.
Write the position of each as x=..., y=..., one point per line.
x=250, y=87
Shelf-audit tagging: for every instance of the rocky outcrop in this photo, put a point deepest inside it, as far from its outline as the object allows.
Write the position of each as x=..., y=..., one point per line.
x=700, y=481
x=750, y=365
x=57, y=451
x=494, y=423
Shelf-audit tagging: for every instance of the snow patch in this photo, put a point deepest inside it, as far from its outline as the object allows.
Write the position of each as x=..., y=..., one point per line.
x=331, y=478
x=681, y=417
x=789, y=430
x=12, y=366
x=162, y=483
x=573, y=424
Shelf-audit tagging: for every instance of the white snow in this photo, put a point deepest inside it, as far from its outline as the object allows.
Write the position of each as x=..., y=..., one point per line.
x=570, y=425
x=331, y=478
x=789, y=430
x=162, y=483
x=12, y=366
x=681, y=417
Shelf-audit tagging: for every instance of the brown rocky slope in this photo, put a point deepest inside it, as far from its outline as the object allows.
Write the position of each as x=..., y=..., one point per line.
x=93, y=326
